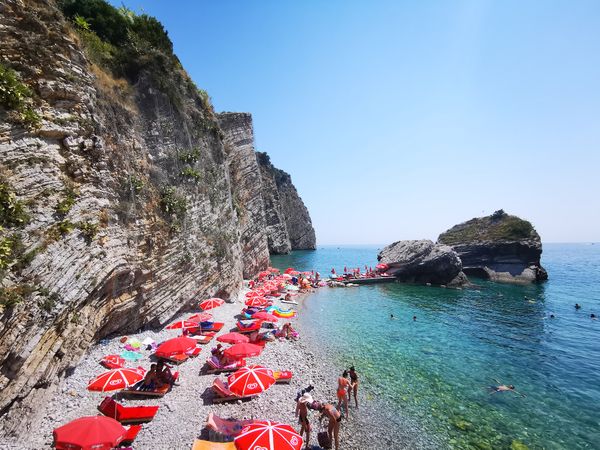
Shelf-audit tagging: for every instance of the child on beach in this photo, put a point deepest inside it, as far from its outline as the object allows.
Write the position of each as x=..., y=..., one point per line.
x=302, y=414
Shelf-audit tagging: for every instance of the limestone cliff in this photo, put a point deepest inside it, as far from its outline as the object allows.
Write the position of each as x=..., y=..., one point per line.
x=122, y=201
x=289, y=226
x=500, y=247
x=247, y=191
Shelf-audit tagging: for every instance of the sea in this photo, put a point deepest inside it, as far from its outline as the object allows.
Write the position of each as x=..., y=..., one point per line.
x=438, y=370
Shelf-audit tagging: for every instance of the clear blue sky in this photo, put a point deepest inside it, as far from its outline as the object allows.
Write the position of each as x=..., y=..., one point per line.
x=398, y=119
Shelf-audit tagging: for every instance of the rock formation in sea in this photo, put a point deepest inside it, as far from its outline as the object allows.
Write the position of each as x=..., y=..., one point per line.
x=499, y=247
x=288, y=222
x=422, y=261
x=124, y=198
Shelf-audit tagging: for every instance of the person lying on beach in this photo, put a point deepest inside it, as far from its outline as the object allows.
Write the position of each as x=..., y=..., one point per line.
x=354, y=385
x=334, y=416
x=302, y=414
x=342, y=391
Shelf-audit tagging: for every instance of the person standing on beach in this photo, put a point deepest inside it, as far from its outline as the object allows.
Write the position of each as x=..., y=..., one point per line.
x=302, y=414
x=343, y=390
x=354, y=385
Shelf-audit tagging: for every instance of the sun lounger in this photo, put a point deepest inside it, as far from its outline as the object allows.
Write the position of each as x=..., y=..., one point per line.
x=215, y=326
x=248, y=327
x=208, y=445
x=181, y=357
x=214, y=366
x=283, y=376
x=127, y=414
x=225, y=429
x=130, y=436
x=223, y=394
x=203, y=338
x=135, y=391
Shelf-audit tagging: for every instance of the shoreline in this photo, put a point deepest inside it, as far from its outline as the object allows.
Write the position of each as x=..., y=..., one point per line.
x=183, y=411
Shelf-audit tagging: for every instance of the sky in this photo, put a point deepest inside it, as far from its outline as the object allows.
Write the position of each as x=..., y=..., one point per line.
x=398, y=119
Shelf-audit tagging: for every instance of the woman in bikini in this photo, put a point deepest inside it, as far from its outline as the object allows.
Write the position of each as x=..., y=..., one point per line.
x=354, y=385
x=335, y=417
x=342, y=391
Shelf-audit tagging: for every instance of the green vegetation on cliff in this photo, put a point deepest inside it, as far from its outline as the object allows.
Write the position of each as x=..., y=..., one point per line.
x=497, y=227
x=17, y=97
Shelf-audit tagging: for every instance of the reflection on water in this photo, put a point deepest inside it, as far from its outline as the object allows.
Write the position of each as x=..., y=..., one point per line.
x=436, y=369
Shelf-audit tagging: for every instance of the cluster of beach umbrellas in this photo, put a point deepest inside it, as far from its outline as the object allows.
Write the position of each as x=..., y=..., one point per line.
x=100, y=432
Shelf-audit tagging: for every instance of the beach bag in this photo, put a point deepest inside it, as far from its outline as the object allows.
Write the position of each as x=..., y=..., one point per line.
x=323, y=439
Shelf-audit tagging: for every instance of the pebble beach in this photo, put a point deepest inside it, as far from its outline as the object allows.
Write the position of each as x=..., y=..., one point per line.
x=184, y=410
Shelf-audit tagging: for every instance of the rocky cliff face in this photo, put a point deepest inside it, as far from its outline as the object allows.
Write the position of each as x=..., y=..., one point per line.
x=288, y=222
x=121, y=202
x=500, y=247
x=247, y=190
x=423, y=261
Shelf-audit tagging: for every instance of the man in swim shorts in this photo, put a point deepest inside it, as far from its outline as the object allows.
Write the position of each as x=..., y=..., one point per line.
x=302, y=413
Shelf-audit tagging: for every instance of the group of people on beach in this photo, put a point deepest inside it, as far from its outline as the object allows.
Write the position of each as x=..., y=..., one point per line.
x=159, y=375
x=347, y=386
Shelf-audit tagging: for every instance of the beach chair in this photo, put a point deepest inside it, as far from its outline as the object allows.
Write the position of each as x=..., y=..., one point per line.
x=223, y=394
x=283, y=376
x=214, y=326
x=127, y=414
x=180, y=357
x=130, y=436
x=214, y=366
x=224, y=429
x=200, y=444
x=134, y=391
x=249, y=327
x=203, y=338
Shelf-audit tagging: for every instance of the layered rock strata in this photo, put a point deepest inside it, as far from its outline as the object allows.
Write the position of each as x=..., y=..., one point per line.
x=499, y=247
x=422, y=261
x=289, y=226
x=122, y=205
x=247, y=190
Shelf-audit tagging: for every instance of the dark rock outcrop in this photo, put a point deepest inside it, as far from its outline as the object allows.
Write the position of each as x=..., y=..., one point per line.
x=499, y=247
x=422, y=261
x=288, y=222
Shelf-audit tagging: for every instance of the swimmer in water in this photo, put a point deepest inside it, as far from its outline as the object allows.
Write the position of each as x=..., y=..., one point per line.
x=577, y=306
x=504, y=388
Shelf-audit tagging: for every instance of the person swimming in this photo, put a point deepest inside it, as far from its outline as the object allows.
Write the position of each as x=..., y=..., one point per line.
x=577, y=306
x=593, y=316
x=503, y=388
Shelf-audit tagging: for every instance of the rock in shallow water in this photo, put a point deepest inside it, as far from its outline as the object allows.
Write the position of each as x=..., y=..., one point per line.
x=422, y=261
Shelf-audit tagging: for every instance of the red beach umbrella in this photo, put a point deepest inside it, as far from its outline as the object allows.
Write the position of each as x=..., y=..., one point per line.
x=183, y=324
x=268, y=435
x=238, y=351
x=289, y=270
x=273, y=269
x=211, y=303
x=200, y=317
x=256, y=301
x=87, y=433
x=262, y=315
x=113, y=362
x=382, y=266
x=116, y=379
x=251, y=380
x=233, y=338
x=176, y=346
x=252, y=294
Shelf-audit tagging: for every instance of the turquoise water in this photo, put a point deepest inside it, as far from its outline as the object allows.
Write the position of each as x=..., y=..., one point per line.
x=435, y=370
